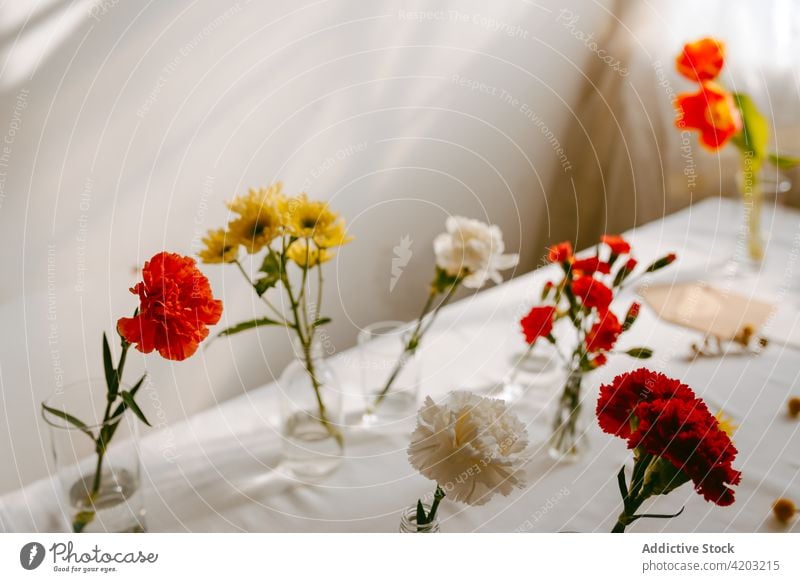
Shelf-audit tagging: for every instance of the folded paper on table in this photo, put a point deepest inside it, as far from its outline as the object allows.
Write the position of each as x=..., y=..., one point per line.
x=707, y=309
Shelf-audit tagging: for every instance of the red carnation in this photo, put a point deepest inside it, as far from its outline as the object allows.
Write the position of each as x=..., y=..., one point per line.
x=617, y=244
x=538, y=323
x=631, y=264
x=604, y=333
x=688, y=436
x=591, y=265
x=593, y=293
x=175, y=306
x=619, y=399
x=560, y=253
x=663, y=417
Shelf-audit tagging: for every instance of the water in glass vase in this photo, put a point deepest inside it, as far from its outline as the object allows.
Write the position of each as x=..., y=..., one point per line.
x=568, y=439
x=312, y=422
x=390, y=377
x=118, y=504
x=115, y=502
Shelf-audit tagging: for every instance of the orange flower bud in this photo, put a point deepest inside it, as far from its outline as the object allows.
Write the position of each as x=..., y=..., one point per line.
x=701, y=60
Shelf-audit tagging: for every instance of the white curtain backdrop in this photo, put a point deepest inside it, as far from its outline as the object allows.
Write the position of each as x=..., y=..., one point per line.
x=131, y=122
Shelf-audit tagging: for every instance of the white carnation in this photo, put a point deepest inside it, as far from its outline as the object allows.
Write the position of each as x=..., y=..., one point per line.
x=473, y=249
x=471, y=446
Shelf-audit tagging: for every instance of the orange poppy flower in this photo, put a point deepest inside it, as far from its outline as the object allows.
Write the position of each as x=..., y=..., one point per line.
x=175, y=306
x=701, y=60
x=712, y=112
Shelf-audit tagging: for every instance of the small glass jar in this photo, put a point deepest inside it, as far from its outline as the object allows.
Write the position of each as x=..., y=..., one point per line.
x=382, y=356
x=311, y=413
x=108, y=500
x=408, y=521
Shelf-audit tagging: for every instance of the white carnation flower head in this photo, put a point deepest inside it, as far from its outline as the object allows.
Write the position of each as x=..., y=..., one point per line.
x=474, y=249
x=473, y=447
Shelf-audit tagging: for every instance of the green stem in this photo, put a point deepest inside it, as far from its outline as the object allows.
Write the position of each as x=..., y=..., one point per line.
x=306, y=337
x=438, y=495
x=85, y=517
x=275, y=310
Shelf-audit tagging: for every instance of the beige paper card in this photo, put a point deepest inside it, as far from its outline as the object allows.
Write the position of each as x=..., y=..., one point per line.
x=706, y=309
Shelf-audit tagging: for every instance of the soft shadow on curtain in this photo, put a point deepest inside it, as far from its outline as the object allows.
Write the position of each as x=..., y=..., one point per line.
x=630, y=165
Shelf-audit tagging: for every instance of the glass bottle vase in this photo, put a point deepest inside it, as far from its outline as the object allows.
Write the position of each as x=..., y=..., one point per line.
x=109, y=499
x=408, y=521
x=568, y=438
x=381, y=357
x=311, y=416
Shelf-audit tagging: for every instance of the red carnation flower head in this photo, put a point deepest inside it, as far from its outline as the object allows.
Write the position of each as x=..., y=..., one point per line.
x=618, y=400
x=688, y=436
x=701, y=60
x=631, y=264
x=538, y=323
x=604, y=333
x=617, y=244
x=175, y=307
x=590, y=265
x=593, y=293
x=560, y=253
x=664, y=418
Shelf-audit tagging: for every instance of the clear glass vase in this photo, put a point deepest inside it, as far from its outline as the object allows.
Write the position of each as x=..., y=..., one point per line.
x=311, y=412
x=568, y=441
x=381, y=347
x=408, y=521
x=108, y=500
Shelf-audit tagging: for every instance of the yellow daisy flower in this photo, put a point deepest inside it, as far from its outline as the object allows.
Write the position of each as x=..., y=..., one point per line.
x=220, y=247
x=300, y=253
x=312, y=219
x=259, y=221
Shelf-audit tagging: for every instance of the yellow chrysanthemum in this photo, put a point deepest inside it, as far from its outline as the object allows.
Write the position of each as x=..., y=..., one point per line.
x=303, y=255
x=220, y=247
x=726, y=424
x=312, y=219
x=259, y=221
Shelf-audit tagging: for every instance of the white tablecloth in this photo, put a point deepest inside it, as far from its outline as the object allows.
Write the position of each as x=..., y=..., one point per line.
x=214, y=472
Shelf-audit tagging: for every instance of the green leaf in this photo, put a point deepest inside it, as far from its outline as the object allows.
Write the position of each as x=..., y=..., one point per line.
x=82, y=426
x=322, y=321
x=112, y=382
x=273, y=270
x=421, y=518
x=783, y=162
x=755, y=129
x=245, y=325
x=127, y=398
x=641, y=353
x=623, y=486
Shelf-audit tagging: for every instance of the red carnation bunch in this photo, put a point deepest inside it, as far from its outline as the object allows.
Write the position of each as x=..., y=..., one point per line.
x=584, y=296
x=675, y=437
